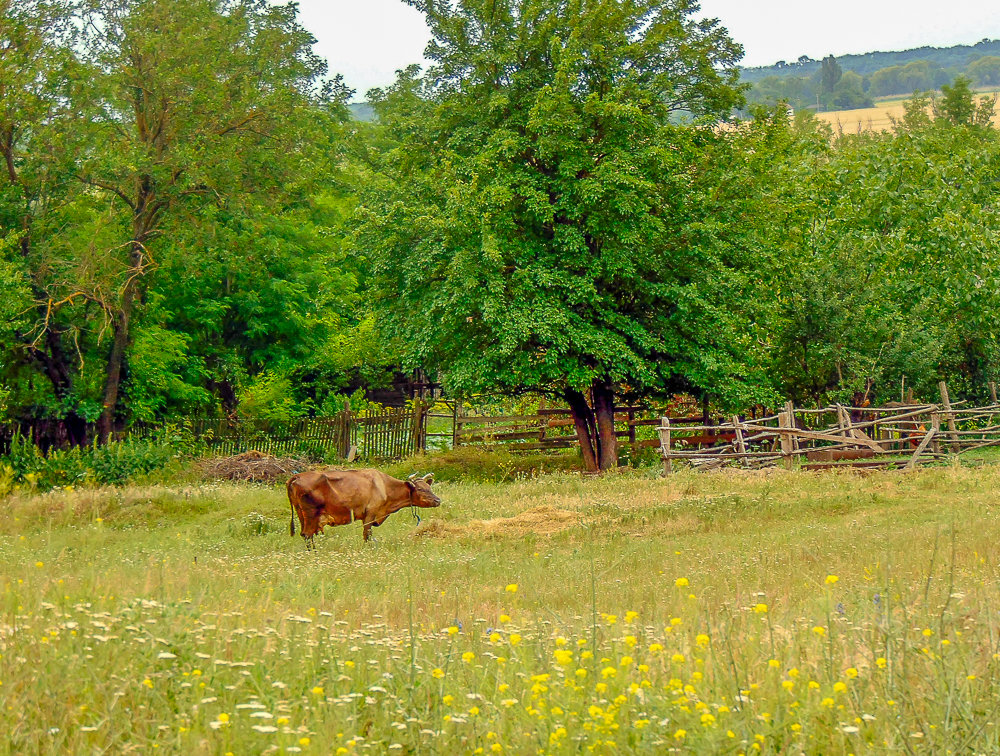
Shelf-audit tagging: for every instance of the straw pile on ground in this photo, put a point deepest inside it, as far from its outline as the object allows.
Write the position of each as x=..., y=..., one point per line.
x=541, y=521
x=252, y=467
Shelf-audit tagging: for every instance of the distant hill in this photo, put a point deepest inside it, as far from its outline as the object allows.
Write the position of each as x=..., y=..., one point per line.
x=958, y=56
x=854, y=81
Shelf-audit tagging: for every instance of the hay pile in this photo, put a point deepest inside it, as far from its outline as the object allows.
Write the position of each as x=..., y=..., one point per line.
x=541, y=521
x=252, y=467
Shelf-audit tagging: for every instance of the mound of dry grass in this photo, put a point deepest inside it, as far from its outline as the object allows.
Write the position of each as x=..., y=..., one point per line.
x=252, y=467
x=544, y=521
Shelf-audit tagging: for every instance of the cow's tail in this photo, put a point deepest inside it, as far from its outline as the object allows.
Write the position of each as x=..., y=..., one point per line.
x=291, y=503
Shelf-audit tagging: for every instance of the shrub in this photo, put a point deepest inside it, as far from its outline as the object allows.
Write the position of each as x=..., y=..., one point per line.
x=115, y=463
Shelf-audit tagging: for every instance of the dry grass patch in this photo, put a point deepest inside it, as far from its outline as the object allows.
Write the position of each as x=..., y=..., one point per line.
x=542, y=521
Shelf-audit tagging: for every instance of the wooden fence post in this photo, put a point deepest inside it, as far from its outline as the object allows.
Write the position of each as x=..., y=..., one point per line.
x=792, y=440
x=418, y=437
x=935, y=429
x=952, y=428
x=668, y=467
x=993, y=392
x=786, y=420
x=741, y=447
x=345, y=438
x=456, y=439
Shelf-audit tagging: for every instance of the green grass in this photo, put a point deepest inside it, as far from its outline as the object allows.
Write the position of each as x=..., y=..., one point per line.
x=163, y=619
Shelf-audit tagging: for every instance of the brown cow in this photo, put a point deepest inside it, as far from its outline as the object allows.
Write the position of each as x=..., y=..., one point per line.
x=340, y=497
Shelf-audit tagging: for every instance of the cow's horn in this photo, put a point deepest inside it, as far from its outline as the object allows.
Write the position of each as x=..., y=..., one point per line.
x=429, y=477
x=412, y=477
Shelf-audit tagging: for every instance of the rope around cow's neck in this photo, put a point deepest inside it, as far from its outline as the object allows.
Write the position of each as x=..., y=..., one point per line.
x=413, y=508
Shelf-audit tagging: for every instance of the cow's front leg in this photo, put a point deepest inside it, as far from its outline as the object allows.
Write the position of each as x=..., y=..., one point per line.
x=368, y=531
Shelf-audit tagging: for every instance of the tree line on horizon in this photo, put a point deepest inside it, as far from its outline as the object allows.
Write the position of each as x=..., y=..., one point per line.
x=564, y=203
x=852, y=81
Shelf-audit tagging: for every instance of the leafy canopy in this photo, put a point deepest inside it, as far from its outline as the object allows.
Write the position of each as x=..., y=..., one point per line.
x=533, y=215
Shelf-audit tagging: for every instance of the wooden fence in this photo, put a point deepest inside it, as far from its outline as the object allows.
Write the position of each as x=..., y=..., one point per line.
x=554, y=429
x=896, y=435
x=386, y=434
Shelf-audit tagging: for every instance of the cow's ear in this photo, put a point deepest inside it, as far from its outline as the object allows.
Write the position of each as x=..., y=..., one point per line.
x=409, y=484
x=429, y=478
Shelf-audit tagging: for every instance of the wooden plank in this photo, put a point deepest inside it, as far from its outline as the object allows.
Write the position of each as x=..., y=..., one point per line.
x=935, y=428
x=866, y=464
x=541, y=445
x=668, y=467
x=813, y=435
x=786, y=440
x=835, y=455
x=741, y=446
x=946, y=403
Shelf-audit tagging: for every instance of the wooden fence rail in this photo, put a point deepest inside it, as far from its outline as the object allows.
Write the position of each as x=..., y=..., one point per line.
x=554, y=428
x=837, y=436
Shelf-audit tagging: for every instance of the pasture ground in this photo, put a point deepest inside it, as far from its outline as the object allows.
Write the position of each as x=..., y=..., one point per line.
x=878, y=118
x=732, y=612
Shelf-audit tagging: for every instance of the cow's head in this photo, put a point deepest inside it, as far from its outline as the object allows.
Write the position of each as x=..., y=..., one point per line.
x=420, y=491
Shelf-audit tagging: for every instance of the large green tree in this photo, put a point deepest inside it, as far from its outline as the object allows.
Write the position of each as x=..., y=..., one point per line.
x=164, y=157
x=534, y=215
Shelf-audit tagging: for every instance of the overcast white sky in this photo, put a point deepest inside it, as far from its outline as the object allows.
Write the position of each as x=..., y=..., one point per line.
x=368, y=40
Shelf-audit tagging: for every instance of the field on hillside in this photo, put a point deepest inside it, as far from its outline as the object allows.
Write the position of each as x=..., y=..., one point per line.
x=734, y=612
x=878, y=118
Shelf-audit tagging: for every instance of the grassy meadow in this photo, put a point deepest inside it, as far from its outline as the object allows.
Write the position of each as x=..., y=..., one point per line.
x=731, y=612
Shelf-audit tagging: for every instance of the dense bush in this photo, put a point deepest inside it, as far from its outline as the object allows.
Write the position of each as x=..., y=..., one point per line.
x=116, y=463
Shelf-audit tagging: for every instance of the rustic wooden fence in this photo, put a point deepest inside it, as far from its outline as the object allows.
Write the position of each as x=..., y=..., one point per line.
x=378, y=435
x=896, y=435
x=553, y=428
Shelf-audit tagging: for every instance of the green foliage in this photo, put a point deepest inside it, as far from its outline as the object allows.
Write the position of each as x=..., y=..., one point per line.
x=890, y=257
x=829, y=74
x=485, y=466
x=536, y=230
x=114, y=464
x=269, y=396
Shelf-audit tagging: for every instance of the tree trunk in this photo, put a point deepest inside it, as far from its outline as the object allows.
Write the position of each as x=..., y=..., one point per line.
x=119, y=345
x=583, y=419
x=604, y=409
x=58, y=372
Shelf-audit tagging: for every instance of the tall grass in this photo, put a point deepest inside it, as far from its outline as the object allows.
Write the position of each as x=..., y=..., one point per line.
x=723, y=613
